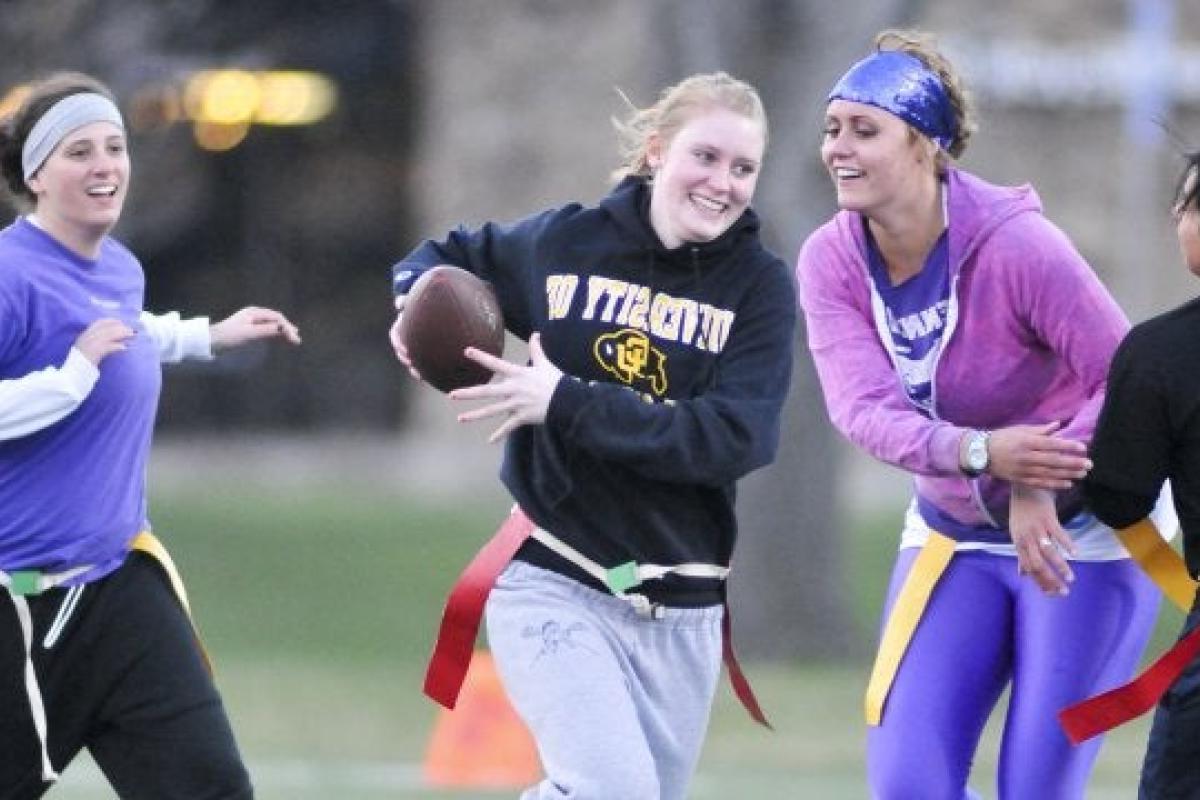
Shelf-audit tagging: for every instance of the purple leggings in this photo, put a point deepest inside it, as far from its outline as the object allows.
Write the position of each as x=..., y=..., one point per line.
x=985, y=627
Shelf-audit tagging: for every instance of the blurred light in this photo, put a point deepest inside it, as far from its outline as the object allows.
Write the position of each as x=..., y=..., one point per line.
x=225, y=97
x=12, y=100
x=222, y=104
x=277, y=97
x=219, y=136
x=294, y=98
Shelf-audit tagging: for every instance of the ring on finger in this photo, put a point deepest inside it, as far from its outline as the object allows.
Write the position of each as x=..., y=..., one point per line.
x=1046, y=542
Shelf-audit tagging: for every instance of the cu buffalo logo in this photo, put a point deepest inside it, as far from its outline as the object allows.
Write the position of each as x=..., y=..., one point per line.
x=627, y=354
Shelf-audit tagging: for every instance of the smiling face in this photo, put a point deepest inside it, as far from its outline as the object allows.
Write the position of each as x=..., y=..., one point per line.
x=704, y=177
x=80, y=189
x=875, y=159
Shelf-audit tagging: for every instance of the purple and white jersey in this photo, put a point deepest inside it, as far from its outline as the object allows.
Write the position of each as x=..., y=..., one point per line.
x=73, y=493
x=916, y=319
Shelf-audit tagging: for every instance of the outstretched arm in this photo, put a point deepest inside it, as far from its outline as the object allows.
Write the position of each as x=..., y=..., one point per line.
x=250, y=324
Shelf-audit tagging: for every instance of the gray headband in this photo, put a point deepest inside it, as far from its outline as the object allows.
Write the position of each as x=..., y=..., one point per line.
x=73, y=111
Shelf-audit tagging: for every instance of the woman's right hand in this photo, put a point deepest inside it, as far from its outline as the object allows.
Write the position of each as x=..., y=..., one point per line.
x=397, y=344
x=103, y=338
x=1035, y=456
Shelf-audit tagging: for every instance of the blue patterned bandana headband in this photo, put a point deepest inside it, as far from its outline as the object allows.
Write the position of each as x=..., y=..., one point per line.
x=73, y=111
x=901, y=85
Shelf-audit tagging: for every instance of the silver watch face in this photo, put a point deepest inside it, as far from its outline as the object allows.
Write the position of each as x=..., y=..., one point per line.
x=977, y=454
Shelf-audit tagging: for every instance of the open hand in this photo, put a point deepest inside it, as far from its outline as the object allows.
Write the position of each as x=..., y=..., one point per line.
x=249, y=324
x=521, y=395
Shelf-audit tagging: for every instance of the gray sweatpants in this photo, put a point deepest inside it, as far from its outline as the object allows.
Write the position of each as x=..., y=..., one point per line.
x=618, y=703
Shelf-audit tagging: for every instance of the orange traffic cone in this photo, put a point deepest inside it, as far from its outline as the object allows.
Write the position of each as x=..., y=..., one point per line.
x=481, y=743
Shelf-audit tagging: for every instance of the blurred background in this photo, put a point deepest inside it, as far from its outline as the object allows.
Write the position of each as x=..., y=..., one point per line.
x=320, y=504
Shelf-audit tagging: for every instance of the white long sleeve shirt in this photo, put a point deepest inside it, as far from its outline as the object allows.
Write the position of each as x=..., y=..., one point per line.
x=38, y=400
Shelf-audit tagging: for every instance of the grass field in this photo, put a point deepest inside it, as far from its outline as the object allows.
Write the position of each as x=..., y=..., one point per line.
x=319, y=607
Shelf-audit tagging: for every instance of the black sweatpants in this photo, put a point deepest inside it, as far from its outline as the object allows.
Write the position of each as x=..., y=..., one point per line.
x=1171, y=770
x=121, y=674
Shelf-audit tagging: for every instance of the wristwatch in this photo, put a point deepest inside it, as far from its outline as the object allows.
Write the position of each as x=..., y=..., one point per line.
x=975, y=453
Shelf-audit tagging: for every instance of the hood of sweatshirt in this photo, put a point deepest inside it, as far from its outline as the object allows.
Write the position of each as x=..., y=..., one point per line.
x=629, y=206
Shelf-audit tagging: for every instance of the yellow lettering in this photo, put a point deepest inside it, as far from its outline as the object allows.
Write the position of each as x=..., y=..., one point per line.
x=718, y=329
x=560, y=289
x=599, y=290
x=630, y=305
x=687, y=310
x=614, y=290
x=627, y=301
x=659, y=308
x=641, y=305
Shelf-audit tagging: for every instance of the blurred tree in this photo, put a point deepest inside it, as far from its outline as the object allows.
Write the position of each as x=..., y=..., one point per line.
x=789, y=593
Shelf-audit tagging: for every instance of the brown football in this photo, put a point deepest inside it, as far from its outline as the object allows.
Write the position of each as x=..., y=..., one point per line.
x=449, y=309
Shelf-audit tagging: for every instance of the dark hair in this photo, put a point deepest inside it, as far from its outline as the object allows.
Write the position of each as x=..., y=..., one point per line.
x=14, y=129
x=1187, y=191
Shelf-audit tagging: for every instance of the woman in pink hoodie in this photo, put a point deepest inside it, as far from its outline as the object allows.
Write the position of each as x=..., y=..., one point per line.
x=958, y=335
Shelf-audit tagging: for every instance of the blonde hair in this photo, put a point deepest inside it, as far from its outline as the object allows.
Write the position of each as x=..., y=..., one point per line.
x=676, y=106
x=923, y=47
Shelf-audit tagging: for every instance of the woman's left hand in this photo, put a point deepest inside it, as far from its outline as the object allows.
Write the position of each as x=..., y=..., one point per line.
x=1040, y=539
x=521, y=395
x=1035, y=455
x=249, y=324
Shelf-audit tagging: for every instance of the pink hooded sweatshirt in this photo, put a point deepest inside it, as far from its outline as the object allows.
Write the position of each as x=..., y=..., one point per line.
x=1030, y=333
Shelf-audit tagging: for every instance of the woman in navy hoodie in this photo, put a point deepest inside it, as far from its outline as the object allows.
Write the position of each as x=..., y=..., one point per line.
x=660, y=335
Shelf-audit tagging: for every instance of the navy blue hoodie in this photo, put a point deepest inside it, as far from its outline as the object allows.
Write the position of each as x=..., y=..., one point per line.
x=676, y=364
